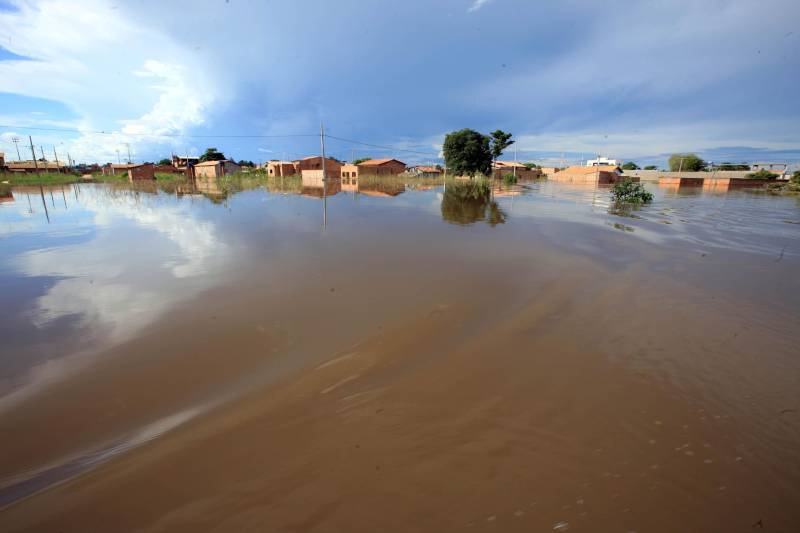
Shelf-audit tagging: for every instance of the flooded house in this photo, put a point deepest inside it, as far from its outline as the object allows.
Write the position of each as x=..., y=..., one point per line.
x=333, y=167
x=216, y=169
x=141, y=171
x=281, y=169
x=599, y=174
x=381, y=167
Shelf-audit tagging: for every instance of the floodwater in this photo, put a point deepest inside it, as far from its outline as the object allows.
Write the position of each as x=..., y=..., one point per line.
x=398, y=357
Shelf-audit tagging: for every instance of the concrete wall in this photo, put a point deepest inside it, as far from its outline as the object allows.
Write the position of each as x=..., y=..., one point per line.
x=600, y=177
x=656, y=175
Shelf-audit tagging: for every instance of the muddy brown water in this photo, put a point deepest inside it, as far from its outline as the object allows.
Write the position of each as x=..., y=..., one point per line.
x=410, y=360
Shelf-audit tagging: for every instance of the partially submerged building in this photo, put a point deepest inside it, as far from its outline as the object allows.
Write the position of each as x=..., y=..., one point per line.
x=333, y=167
x=601, y=174
x=281, y=169
x=381, y=167
x=141, y=171
x=216, y=169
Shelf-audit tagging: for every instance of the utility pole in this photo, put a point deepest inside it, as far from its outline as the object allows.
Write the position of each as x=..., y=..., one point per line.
x=16, y=140
x=118, y=161
x=324, y=177
x=55, y=155
x=129, y=152
x=41, y=151
x=33, y=154
x=515, y=164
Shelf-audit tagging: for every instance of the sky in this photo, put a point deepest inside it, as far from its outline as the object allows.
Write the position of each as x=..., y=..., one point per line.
x=633, y=80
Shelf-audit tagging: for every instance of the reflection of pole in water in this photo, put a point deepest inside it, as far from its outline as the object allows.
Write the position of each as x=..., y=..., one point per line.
x=52, y=200
x=41, y=191
x=64, y=196
x=30, y=207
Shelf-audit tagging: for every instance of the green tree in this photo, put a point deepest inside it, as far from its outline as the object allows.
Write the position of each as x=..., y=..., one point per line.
x=499, y=140
x=361, y=160
x=467, y=152
x=651, y=167
x=733, y=166
x=165, y=161
x=630, y=165
x=212, y=154
x=796, y=177
x=762, y=174
x=686, y=162
x=246, y=163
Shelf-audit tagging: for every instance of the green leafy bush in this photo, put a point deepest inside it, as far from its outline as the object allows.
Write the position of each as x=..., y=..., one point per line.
x=762, y=174
x=630, y=192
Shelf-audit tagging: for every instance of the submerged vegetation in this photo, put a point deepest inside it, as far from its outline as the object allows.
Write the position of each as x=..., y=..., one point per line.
x=631, y=192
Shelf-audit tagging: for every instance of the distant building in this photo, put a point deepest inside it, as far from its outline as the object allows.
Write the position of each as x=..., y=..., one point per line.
x=501, y=168
x=349, y=171
x=593, y=174
x=36, y=166
x=216, y=169
x=425, y=171
x=381, y=167
x=2, y=160
x=181, y=161
x=781, y=169
x=602, y=161
x=280, y=169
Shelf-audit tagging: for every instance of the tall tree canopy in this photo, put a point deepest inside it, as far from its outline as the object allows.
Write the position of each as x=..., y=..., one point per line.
x=212, y=154
x=467, y=152
x=630, y=165
x=500, y=140
x=165, y=161
x=686, y=162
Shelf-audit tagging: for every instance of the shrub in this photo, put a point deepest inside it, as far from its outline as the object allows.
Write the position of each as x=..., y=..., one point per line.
x=509, y=178
x=796, y=177
x=762, y=174
x=631, y=192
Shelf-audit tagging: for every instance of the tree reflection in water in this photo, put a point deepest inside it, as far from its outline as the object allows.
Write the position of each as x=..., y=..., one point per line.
x=469, y=202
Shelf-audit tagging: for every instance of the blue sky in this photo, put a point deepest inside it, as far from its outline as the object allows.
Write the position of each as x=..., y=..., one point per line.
x=629, y=79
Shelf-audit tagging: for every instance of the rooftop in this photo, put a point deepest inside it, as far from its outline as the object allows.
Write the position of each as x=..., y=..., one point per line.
x=377, y=162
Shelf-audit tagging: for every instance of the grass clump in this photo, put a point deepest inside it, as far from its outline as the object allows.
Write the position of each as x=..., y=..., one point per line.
x=630, y=192
x=509, y=179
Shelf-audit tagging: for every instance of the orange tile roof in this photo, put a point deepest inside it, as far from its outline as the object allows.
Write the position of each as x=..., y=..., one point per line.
x=377, y=162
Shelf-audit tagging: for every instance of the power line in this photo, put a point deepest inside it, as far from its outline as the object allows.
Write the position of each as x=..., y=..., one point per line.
x=379, y=146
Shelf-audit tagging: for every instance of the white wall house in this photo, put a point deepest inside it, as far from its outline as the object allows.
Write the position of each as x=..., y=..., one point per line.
x=602, y=161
